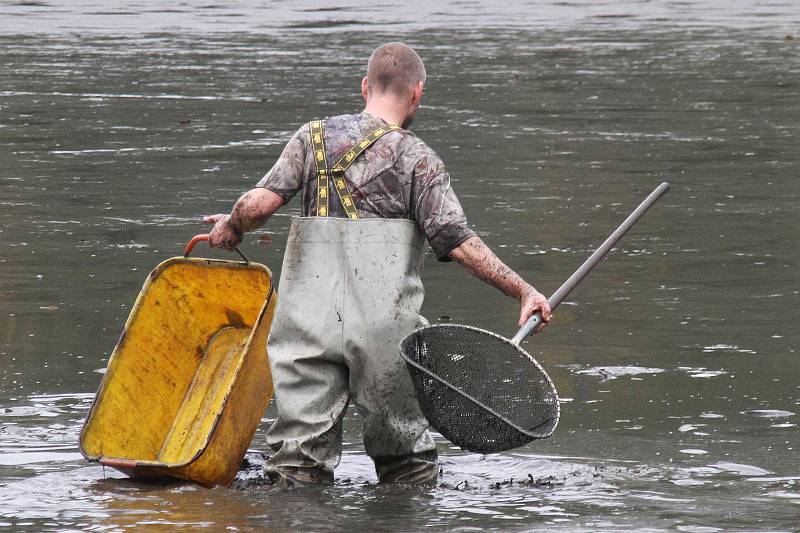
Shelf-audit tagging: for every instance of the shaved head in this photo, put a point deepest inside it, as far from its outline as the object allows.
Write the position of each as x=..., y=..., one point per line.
x=394, y=68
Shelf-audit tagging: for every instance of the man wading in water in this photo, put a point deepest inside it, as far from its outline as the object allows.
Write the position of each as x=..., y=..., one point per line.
x=371, y=193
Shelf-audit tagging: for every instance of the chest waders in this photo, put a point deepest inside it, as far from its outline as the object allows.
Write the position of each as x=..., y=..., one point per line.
x=350, y=291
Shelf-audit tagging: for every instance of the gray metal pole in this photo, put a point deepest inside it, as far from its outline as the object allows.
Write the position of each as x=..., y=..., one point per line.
x=595, y=258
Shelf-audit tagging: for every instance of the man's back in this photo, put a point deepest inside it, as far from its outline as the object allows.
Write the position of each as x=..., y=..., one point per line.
x=399, y=176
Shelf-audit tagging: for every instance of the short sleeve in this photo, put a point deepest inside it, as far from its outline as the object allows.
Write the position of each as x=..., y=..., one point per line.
x=437, y=209
x=285, y=177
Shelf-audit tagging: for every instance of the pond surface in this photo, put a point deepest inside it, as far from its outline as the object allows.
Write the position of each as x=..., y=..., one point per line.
x=122, y=123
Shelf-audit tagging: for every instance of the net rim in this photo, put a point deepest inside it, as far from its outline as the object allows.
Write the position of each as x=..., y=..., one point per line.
x=480, y=404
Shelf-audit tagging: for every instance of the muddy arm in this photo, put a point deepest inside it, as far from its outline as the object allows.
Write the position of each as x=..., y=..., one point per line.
x=479, y=260
x=251, y=211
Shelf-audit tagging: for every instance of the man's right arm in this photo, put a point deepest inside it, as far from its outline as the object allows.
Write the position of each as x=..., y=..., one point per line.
x=479, y=260
x=439, y=214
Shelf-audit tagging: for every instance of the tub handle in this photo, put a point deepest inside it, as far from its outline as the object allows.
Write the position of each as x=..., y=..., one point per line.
x=117, y=463
x=204, y=237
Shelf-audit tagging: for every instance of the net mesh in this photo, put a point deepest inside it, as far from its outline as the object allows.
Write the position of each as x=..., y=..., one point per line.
x=478, y=390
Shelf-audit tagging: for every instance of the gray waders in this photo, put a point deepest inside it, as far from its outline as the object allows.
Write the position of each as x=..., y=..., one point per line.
x=349, y=293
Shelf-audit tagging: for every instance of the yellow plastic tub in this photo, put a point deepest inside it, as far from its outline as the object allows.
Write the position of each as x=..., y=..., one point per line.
x=188, y=382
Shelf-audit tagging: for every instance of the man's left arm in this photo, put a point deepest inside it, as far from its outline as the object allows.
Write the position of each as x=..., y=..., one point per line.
x=253, y=208
x=251, y=211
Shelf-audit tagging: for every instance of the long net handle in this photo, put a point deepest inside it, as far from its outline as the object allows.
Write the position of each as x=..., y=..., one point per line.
x=590, y=263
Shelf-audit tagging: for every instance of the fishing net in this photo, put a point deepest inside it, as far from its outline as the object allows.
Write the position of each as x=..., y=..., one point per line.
x=479, y=390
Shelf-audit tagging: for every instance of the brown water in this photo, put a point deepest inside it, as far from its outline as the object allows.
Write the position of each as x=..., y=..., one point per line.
x=676, y=359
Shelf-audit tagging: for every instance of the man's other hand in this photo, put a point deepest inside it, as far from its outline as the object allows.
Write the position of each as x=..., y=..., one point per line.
x=531, y=302
x=223, y=235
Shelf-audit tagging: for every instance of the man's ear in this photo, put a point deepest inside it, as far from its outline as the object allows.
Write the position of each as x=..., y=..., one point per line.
x=364, y=87
x=416, y=94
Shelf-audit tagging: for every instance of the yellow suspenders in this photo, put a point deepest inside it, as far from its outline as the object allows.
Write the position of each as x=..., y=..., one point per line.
x=336, y=172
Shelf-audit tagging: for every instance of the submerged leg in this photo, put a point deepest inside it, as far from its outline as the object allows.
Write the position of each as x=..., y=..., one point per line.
x=396, y=434
x=415, y=468
x=311, y=394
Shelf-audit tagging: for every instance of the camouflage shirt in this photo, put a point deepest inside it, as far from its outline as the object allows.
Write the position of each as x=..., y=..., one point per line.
x=397, y=177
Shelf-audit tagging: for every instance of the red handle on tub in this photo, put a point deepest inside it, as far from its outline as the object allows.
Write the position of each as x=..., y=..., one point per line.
x=193, y=242
x=204, y=237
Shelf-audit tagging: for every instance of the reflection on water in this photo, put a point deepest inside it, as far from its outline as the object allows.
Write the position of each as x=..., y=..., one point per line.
x=120, y=125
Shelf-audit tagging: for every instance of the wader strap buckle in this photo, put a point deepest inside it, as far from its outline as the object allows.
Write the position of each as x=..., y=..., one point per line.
x=336, y=172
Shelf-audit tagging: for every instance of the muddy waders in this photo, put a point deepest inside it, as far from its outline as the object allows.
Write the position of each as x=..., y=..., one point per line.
x=350, y=290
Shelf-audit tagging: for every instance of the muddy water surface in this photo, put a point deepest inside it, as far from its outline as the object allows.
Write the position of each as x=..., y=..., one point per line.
x=676, y=359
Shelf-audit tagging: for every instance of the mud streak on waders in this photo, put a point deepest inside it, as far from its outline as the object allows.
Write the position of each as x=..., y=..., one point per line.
x=336, y=172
